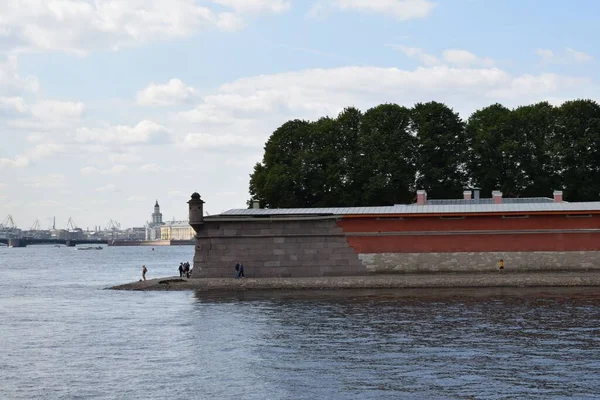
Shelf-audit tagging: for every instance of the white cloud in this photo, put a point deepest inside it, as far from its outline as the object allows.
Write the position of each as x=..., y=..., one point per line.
x=150, y=168
x=419, y=54
x=400, y=9
x=222, y=141
x=455, y=57
x=568, y=56
x=173, y=92
x=177, y=193
x=256, y=6
x=106, y=188
x=45, y=150
x=17, y=162
x=10, y=79
x=47, y=181
x=538, y=86
x=79, y=26
x=56, y=110
x=464, y=58
x=578, y=56
x=545, y=54
x=129, y=157
x=268, y=100
x=115, y=169
x=137, y=199
x=147, y=132
x=12, y=104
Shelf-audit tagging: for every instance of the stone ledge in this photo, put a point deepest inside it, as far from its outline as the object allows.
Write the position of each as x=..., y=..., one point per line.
x=442, y=280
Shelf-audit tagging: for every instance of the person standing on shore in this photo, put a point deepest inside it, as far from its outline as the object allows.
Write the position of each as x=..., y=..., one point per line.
x=144, y=270
x=237, y=270
x=501, y=265
x=241, y=270
x=181, y=270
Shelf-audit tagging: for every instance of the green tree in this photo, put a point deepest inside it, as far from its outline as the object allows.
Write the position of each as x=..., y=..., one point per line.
x=277, y=182
x=349, y=123
x=491, y=161
x=578, y=138
x=534, y=134
x=441, y=149
x=384, y=171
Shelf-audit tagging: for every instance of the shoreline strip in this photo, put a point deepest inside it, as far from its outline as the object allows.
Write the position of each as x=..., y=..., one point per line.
x=397, y=281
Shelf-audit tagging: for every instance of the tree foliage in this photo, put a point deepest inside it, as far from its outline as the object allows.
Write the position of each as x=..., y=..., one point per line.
x=441, y=144
x=383, y=156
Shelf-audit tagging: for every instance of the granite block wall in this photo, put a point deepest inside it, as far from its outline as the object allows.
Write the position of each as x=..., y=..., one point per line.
x=275, y=248
x=481, y=262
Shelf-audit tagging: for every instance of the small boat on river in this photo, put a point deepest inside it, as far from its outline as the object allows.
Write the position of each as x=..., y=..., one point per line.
x=90, y=248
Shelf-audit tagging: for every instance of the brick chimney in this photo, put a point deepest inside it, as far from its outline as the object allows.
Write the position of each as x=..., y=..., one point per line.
x=497, y=195
x=558, y=196
x=467, y=195
x=421, y=197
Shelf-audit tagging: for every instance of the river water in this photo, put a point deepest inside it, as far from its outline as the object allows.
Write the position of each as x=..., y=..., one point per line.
x=63, y=336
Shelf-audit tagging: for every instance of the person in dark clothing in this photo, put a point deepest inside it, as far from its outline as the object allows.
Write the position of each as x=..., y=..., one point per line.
x=241, y=270
x=237, y=270
x=180, y=270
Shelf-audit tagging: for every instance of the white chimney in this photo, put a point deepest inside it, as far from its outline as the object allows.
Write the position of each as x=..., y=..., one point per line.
x=421, y=197
x=558, y=196
x=467, y=195
x=497, y=195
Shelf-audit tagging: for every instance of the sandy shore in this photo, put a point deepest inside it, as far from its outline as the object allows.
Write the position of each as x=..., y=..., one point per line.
x=442, y=280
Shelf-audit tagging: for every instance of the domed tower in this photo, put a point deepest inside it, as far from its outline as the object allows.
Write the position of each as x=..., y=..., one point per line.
x=156, y=215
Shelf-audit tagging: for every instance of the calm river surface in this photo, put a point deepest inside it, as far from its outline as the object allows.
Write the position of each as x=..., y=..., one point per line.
x=62, y=336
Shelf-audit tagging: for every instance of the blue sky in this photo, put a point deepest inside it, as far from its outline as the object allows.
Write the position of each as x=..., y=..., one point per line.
x=108, y=105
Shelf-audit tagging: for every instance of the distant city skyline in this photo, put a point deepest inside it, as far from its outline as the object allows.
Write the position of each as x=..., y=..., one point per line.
x=108, y=105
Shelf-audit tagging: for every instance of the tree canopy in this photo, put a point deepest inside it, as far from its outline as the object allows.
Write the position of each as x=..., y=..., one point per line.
x=382, y=156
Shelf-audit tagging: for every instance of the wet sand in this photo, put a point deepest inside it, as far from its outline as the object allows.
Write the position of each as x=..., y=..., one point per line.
x=433, y=280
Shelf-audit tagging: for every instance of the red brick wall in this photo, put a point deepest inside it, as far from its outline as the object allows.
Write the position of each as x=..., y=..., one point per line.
x=473, y=242
x=371, y=224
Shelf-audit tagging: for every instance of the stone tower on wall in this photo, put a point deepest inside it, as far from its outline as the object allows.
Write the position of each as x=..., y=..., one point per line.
x=196, y=212
x=196, y=220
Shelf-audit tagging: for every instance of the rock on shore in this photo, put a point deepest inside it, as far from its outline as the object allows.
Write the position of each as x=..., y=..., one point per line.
x=441, y=280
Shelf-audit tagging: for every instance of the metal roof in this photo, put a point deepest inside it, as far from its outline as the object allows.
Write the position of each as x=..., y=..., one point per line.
x=508, y=200
x=420, y=209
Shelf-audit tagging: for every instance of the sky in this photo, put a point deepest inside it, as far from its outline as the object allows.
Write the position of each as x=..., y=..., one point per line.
x=109, y=105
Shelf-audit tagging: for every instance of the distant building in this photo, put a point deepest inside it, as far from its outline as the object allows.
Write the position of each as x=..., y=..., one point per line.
x=136, y=233
x=177, y=230
x=59, y=234
x=153, y=228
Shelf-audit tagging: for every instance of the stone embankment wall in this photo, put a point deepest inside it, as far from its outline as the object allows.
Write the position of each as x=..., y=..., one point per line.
x=481, y=262
x=274, y=248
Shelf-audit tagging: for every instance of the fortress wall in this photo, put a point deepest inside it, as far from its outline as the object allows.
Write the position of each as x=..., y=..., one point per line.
x=274, y=248
x=343, y=247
